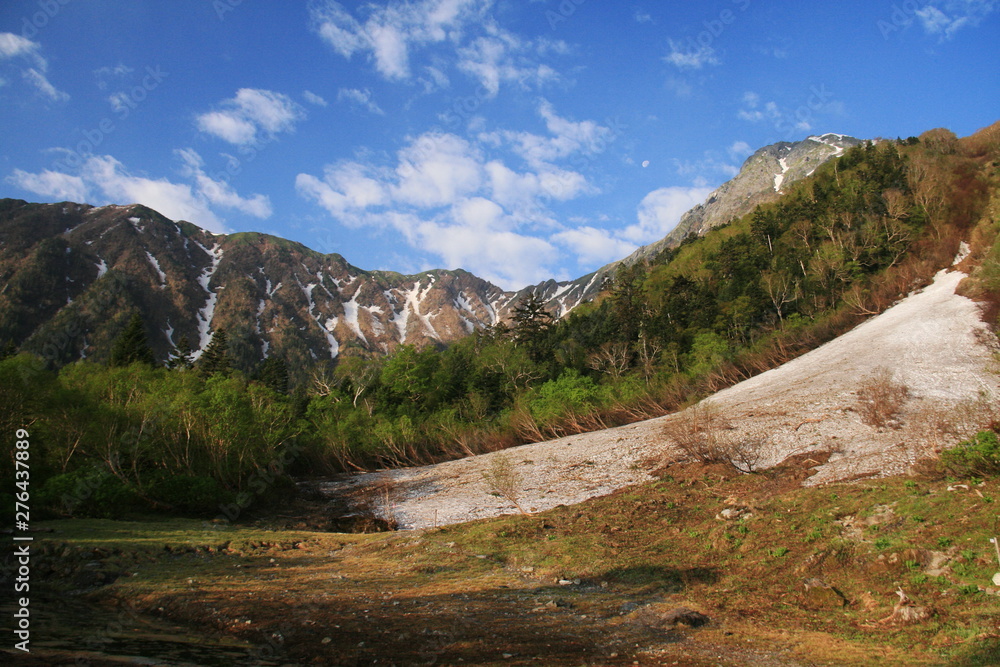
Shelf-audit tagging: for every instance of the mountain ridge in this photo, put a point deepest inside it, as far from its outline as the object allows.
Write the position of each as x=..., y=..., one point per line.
x=308, y=306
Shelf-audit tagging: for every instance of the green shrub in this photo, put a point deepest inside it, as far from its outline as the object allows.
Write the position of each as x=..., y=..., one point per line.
x=89, y=492
x=977, y=457
x=556, y=398
x=187, y=493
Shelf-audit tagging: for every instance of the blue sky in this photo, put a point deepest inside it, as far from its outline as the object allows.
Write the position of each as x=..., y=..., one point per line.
x=518, y=140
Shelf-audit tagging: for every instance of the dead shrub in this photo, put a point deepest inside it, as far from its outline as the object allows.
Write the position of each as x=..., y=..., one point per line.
x=881, y=398
x=503, y=480
x=705, y=436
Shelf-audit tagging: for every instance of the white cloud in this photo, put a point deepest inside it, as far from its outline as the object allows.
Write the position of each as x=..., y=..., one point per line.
x=566, y=138
x=740, y=150
x=390, y=32
x=362, y=98
x=948, y=17
x=502, y=57
x=693, y=58
x=313, y=98
x=220, y=193
x=594, y=246
x=251, y=116
x=14, y=47
x=50, y=184
x=43, y=86
x=105, y=75
x=754, y=112
x=453, y=198
x=661, y=210
x=392, y=36
x=105, y=180
x=345, y=189
x=437, y=169
x=503, y=257
x=177, y=201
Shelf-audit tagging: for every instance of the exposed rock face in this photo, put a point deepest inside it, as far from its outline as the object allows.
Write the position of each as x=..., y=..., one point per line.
x=761, y=180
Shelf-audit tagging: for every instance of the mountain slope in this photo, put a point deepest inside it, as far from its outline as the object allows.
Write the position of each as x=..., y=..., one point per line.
x=761, y=179
x=72, y=273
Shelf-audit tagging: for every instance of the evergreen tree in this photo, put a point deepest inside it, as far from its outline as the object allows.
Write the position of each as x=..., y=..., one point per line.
x=215, y=358
x=531, y=325
x=182, y=354
x=131, y=346
x=273, y=374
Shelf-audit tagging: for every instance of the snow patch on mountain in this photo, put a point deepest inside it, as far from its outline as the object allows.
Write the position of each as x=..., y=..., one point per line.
x=159, y=271
x=206, y=314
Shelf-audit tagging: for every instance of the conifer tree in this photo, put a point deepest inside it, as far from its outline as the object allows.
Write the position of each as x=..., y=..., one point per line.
x=182, y=355
x=215, y=359
x=131, y=346
x=531, y=324
x=273, y=374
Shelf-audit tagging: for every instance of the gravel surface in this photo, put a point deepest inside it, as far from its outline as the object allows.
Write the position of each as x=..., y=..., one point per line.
x=933, y=341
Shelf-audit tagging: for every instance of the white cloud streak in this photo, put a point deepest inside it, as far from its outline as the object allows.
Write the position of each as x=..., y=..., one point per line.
x=394, y=34
x=694, y=58
x=15, y=48
x=944, y=19
x=105, y=180
x=251, y=116
x=391, y=32
x=360, y=98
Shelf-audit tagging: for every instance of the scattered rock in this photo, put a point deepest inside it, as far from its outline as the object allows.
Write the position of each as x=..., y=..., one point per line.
x=906, y=611
x=733, y=513
x=685, y=616
x=652, y=617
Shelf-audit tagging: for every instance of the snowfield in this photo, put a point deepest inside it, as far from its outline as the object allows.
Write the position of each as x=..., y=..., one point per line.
x=933, y=341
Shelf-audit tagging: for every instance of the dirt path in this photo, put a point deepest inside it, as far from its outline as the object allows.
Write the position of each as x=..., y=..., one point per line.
x=933, y=341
